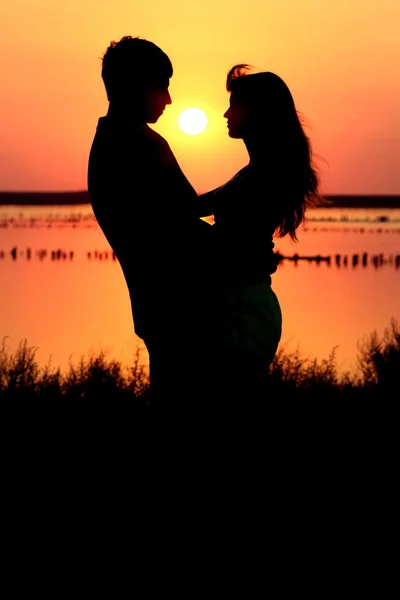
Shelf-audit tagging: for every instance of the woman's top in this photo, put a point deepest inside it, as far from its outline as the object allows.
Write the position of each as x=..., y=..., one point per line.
x=244, y=225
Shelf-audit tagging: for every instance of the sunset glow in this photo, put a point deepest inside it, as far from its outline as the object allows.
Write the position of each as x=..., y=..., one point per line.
x=340, y=59
x=192, y=121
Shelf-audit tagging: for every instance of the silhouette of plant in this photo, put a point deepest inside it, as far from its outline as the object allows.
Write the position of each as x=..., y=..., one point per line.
x=379, y=358
x=101, y=394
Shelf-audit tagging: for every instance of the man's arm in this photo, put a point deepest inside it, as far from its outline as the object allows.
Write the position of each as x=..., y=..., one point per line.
x=206, y=203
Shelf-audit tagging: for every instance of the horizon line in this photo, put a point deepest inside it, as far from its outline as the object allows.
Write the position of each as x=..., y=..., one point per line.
x=85, y=191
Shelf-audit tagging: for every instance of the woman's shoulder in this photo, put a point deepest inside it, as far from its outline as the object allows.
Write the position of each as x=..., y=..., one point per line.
x=245, y=184
x=231, y=186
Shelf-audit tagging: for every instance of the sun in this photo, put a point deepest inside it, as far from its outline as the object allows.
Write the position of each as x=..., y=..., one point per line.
x=192, y=121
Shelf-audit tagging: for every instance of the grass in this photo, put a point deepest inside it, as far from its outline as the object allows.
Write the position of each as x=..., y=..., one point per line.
x=96, y=377
x=90, y=433
x=98, y=399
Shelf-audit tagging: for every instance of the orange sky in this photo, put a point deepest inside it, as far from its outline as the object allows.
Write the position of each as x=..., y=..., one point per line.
x=340, y=58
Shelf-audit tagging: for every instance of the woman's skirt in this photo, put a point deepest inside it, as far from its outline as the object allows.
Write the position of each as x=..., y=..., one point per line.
x=251, y=321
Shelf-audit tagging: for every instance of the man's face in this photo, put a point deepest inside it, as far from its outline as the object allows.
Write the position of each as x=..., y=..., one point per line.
x=154, y=100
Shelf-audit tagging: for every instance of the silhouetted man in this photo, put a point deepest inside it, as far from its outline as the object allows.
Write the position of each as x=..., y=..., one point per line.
x=147, y=210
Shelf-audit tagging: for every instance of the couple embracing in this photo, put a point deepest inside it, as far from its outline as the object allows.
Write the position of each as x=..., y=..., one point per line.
x=201, y=293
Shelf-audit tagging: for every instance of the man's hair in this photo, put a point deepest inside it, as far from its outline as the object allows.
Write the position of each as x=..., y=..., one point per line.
x=133, y=63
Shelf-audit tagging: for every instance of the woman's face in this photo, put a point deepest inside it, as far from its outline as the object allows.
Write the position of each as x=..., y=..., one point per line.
x=238, y=117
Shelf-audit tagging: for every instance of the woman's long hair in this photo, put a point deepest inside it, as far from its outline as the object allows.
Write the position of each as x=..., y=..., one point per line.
x=275, y=125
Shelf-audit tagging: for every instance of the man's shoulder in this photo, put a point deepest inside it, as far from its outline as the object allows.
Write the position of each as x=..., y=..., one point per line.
x=156, y=140
x=153, y=135
x=121, y=141
x=120, y=128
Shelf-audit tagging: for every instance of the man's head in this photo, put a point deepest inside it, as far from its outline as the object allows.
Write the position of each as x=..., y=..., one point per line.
x=136, y=76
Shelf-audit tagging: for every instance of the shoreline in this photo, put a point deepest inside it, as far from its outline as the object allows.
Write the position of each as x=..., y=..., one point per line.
x=48, y=198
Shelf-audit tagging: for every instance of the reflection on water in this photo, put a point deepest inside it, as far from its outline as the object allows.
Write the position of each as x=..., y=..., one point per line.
x=81, y=215
x=338, y=260
x=63, y=289
x=354, y=215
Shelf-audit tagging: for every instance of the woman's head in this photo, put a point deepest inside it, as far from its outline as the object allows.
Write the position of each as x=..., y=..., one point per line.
x=260, y=103
x=262, y=112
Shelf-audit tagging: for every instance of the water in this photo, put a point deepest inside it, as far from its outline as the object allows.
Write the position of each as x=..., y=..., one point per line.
x=64, y=292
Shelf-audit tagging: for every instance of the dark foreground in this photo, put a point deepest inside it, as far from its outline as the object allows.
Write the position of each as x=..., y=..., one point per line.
x=100, y=490
x=98, y=420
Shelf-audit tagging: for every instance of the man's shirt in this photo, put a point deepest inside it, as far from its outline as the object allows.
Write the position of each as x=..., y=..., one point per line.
x=146, y=208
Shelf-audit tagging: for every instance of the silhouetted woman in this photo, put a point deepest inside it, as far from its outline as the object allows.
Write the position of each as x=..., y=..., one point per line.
x=266, y=198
